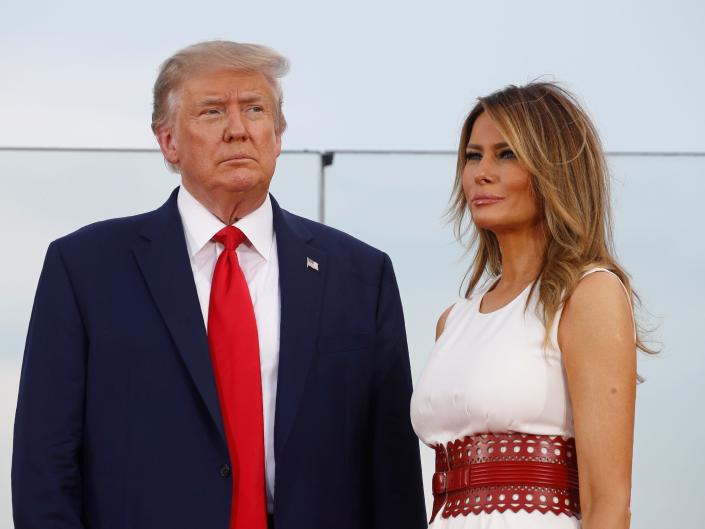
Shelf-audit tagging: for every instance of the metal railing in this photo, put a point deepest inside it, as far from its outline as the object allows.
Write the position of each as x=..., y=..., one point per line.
x=327, y=157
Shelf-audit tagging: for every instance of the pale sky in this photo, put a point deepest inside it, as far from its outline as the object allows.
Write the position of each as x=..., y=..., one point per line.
x=365, y=74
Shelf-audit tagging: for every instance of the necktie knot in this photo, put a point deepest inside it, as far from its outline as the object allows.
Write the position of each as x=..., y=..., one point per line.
x=230, y=237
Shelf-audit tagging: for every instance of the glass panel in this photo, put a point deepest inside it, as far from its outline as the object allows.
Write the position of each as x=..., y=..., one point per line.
x=659, y=238
x=395, y=202
x=46, y=194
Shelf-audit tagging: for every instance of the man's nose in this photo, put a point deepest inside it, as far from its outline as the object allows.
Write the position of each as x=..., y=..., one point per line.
x=235, y=129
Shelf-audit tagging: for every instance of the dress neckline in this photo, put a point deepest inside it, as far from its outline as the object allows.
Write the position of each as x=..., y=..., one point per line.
x=503, y=307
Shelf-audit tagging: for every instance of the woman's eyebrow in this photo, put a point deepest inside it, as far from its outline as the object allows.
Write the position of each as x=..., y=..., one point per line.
x=477, y=147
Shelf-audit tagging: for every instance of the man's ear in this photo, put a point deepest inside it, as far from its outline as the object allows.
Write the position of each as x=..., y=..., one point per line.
x=167, y=144
x=279, y=143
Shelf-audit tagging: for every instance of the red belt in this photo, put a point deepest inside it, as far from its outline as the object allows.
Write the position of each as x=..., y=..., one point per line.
x=510, y=471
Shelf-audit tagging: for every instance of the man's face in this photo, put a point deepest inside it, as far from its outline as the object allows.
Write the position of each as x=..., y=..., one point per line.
x=222, y=135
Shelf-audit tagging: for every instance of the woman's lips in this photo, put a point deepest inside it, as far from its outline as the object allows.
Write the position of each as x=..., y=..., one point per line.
x=485, y=200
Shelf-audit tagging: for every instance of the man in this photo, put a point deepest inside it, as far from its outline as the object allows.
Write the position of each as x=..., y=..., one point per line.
x=219, y=362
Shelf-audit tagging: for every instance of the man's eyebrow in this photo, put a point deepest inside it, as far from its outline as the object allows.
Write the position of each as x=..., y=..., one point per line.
x=244, y=97
x=251, y=97
x=212, y=100
x=475, y=147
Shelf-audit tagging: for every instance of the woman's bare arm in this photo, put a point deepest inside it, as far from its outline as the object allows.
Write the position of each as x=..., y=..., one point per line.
x=596, y=336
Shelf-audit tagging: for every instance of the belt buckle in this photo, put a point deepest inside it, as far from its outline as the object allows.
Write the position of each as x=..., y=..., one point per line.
x=440, y=482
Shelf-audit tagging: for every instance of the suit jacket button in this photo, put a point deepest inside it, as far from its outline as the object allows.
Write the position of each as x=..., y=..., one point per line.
x=225, y=470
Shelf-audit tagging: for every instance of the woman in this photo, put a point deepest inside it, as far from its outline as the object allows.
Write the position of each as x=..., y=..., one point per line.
x=533, y=374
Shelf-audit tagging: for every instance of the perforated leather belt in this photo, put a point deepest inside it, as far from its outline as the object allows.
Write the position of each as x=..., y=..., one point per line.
x=509, y=471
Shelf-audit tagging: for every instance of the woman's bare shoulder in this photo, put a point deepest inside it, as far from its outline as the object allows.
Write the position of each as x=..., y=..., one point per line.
x=597, y=305
x=442, y=321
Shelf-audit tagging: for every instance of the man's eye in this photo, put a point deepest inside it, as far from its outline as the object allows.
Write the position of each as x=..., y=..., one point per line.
x=211, y=112
x=476, y=156
x=507, y=154
x=255, y=109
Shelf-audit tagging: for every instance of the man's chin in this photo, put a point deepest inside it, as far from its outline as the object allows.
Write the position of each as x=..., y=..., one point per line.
x=224, y=183
x=240, y=181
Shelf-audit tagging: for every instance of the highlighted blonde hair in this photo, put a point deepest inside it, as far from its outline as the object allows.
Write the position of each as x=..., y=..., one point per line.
x=553, y=137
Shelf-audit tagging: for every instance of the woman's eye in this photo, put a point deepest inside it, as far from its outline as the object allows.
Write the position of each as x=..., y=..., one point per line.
x=507, y=154
x=476, y=156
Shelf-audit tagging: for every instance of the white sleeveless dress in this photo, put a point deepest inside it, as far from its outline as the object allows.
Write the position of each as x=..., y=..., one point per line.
x=489, y=373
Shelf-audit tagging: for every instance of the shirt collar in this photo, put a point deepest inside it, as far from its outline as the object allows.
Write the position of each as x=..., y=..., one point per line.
x=200, y=224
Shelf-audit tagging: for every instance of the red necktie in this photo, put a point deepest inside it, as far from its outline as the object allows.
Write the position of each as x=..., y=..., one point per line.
x=232, y=336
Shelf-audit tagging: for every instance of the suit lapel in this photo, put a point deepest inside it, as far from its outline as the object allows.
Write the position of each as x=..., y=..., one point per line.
x=301, y=288
x=164, y=262
x=163, y=259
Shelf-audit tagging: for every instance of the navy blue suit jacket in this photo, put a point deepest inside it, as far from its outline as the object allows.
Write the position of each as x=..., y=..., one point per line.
x=118, y=423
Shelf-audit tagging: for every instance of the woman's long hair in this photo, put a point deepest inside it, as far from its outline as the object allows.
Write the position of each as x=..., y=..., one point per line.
x=553, y=137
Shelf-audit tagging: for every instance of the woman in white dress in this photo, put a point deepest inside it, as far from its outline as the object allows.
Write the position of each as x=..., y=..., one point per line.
x=528, y=395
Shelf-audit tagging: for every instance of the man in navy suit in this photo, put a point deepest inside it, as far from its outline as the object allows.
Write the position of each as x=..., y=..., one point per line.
x=125, y=417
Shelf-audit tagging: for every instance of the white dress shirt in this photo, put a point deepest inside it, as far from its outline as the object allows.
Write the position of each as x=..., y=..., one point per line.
x=260, y=265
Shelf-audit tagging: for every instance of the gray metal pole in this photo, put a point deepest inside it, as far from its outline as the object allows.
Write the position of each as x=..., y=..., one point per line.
x=322, y=193
x=326, y=160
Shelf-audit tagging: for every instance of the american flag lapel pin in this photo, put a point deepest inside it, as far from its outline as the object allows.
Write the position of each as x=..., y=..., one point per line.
x=310, y=263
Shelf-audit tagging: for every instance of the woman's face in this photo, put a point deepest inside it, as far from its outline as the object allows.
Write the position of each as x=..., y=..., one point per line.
x=497, y=187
